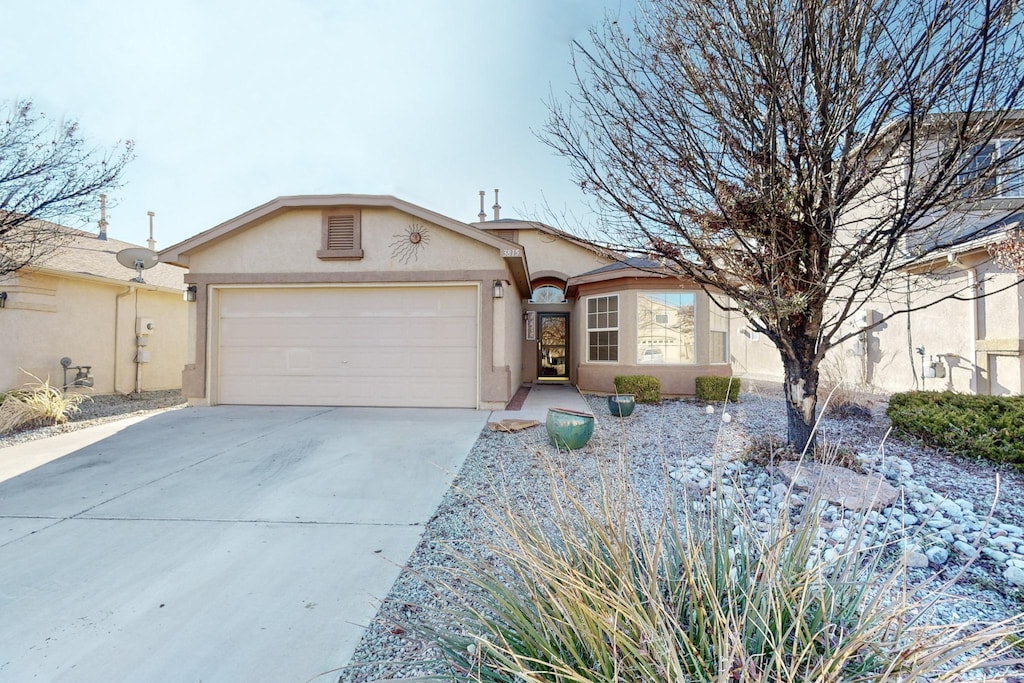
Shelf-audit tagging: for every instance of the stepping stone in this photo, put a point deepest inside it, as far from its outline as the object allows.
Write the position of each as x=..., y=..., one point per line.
x=839, y=485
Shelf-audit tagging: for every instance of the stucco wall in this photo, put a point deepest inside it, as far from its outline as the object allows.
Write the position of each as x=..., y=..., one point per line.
x=977, y=343
x=288, y=243
x=548, y=253
x=49, y=317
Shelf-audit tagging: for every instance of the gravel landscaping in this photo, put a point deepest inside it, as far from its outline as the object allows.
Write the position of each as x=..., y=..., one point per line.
x=942, y=522
x=100, y=409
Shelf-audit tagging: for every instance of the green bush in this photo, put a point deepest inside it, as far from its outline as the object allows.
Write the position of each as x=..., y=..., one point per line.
x=646, y=388
x=718, y=388
x=990, y=427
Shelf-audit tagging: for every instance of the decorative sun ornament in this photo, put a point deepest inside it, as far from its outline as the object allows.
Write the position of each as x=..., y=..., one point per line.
x=407, y=244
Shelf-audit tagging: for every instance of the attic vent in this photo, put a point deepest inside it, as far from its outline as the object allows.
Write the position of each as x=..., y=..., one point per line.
x=341, y=235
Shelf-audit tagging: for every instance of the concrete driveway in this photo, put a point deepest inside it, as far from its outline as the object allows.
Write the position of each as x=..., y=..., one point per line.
x=217, y=544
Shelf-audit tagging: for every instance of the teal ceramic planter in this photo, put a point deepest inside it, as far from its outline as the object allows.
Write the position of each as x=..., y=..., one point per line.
x=569, y=429
x=622, y=405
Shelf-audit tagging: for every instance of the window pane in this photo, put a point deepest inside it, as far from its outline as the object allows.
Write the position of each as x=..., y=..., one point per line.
x=602, y=332
x=665, y=327
x=716, y=342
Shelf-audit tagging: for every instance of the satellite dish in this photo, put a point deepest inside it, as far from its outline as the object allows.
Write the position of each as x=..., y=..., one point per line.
x=138, y=258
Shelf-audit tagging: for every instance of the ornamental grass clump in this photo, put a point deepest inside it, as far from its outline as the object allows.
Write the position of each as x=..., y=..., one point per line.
x=38, y=404
x=604, y=589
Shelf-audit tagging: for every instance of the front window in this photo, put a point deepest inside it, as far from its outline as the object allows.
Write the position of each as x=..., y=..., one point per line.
x=1006, y=182
x=665, y=328
x=603, y=328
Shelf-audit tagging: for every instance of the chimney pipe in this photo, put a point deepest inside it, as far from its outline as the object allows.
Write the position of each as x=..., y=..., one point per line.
x=103, y=217
x=151, y=243
x=482, y=215
x=497, y=206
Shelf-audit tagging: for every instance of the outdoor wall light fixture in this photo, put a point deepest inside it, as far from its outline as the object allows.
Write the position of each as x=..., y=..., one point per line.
x=190, y=293
x=499, y=289
x=3, y=299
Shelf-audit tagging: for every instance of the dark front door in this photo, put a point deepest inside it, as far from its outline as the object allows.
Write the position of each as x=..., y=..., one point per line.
x=553, y=346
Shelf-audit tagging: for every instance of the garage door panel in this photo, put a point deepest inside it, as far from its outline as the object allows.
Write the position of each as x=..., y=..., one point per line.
x=386, y=346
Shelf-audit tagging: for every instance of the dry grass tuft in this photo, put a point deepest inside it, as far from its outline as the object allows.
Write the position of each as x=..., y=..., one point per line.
x=37, y=404
x=600, y=591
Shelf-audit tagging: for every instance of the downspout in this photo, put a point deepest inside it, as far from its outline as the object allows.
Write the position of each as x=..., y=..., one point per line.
x=117, y=325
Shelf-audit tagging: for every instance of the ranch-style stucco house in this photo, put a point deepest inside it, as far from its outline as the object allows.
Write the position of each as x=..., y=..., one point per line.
x=79, y=303
x=369, y=300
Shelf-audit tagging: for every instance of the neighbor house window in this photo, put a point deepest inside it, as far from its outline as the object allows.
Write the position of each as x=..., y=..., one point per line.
x=665, y=327
x=341, y=236
x=1007, y=182
x=603, y=328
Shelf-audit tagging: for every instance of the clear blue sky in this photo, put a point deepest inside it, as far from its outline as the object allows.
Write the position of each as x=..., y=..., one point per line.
x=231, y=104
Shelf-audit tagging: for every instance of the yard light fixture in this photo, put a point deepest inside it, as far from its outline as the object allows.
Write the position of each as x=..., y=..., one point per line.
x=499, y=289
x=190, y=293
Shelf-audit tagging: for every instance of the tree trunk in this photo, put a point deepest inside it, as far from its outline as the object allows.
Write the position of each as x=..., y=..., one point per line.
x=801, y=387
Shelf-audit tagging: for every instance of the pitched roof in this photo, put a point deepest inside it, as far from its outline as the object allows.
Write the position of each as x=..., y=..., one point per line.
x=89, y=256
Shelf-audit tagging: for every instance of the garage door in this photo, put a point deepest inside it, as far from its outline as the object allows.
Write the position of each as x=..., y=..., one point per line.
x=352, y=346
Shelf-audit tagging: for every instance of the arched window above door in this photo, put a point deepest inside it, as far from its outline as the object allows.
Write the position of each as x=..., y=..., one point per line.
x=548, y=294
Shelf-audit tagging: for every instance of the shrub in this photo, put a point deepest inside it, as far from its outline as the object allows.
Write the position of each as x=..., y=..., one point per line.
x=715, y=389
x=990, y=427
x=37, y=404
x=646, y=388
x=600, y=592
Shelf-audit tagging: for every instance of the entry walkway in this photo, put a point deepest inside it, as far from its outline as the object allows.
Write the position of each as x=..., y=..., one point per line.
x=542, y=397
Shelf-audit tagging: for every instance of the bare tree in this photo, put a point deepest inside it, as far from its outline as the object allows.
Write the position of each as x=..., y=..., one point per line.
x=791, y=154
x=48, y=175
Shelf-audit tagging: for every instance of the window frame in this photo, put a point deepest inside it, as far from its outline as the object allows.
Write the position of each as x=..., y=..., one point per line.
x=994, y=187
x=606, y=329
x=325, y=253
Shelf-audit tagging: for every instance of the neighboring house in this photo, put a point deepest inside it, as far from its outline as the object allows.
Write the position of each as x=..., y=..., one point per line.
x=964, y=344
x=79, y=303
x=369, y=300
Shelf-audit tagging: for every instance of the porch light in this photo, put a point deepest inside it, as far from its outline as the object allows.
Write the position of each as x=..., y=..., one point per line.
x=499, y=289
x=190, y=293
x=3, y=299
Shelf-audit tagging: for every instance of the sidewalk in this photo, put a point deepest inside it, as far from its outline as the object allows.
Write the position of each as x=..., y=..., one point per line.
x=542, y=397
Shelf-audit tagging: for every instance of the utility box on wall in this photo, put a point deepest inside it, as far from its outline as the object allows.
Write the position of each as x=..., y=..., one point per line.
x=144, y=326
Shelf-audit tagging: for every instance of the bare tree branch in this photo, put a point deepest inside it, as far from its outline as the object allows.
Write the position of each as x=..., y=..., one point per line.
x=48, y=175
x=794, y=155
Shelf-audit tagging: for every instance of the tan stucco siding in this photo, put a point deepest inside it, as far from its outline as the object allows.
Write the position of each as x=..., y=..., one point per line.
x=548, y=253
x=977, y=343
x=288, y=243
x=51, y=317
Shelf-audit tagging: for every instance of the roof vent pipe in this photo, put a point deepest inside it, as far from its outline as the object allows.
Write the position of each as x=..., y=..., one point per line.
x=151, y=243
x=497, y=206
x=482, y=215
x=103, y=217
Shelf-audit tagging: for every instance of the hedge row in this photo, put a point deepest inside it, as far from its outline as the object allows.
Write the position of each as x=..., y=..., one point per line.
x=714, y=389
x=990, y=427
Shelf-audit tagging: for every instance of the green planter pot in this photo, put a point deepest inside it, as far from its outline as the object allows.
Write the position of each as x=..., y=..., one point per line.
x=622, y=405
x=569, y=429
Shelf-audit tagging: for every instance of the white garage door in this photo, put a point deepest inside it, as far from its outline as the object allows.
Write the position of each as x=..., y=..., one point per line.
x=351, y=346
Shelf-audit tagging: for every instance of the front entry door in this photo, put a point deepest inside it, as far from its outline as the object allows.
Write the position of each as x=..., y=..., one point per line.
x=553, y=345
